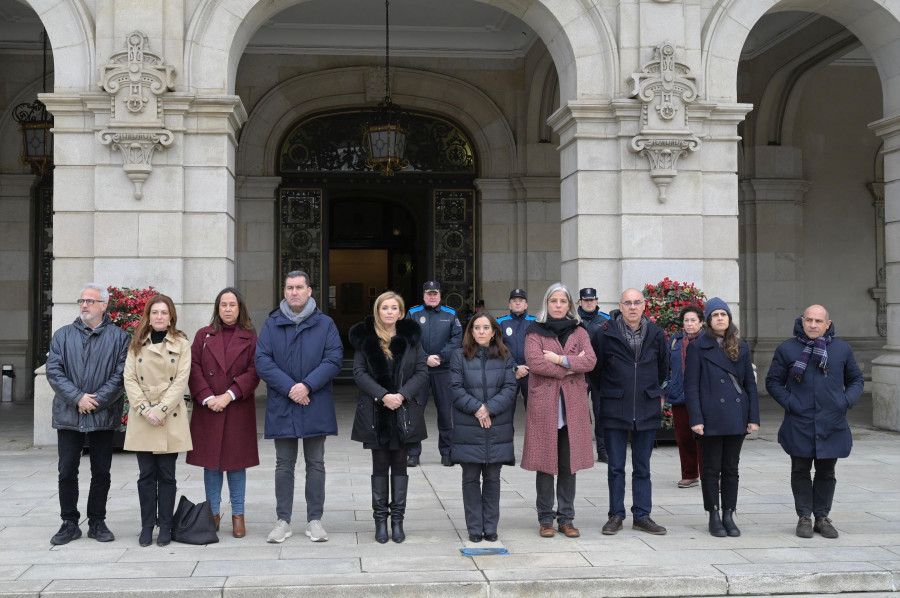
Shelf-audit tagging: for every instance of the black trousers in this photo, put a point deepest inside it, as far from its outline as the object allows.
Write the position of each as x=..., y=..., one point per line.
x=721, y=455
x=812, y=496
x=69, y=446
x=522, y=387
x=439, y=383
x=481, y=497
x=565, y=486
x=156, y=488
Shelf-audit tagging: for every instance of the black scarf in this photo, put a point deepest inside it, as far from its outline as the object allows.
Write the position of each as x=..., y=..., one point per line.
x=560, y=328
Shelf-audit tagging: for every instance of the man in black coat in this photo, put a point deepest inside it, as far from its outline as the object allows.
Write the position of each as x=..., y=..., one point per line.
x=815, y=378
x=441, y=336
x=84, y=368
x=632, y=364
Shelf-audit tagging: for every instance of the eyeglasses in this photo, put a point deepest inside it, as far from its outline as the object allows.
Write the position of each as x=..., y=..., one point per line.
x=633, y=303
x=88, y=302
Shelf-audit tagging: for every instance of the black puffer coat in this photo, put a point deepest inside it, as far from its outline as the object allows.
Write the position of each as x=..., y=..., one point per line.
x=375, y=425
x=83, y=361
x=476, y=382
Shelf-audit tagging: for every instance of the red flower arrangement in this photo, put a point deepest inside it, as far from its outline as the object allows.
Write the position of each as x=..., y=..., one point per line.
x=126, y=306
x=665, y=300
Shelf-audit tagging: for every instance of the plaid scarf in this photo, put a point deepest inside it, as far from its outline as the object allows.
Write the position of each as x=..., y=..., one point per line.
x=817, y=348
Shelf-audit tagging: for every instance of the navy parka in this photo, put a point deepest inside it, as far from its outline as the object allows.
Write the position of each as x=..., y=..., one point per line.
x=815, y=408
x=310, y=352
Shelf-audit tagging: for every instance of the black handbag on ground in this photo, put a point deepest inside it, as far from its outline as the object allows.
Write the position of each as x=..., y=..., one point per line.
x=194, y=524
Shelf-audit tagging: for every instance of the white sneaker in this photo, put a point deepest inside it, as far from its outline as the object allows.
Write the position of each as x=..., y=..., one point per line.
x=281, y=531
x=316, y=532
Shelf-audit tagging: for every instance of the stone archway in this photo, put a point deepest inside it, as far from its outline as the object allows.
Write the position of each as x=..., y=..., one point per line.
x=878, y=29
x=70, y=29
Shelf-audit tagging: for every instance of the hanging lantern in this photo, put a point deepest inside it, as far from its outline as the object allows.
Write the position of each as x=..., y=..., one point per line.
x=36, y=124
x=385, y=137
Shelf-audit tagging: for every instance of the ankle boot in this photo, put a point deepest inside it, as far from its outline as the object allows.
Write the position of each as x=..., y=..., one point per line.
x=399, y=484
x=715, y=524
x=165, y=536
x=218, y=518
x=238, y=529
x=728, y=523
x=380, y=508
x=146, y=537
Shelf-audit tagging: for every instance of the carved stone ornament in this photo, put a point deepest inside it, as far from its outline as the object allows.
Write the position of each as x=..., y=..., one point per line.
x=665, y=88
x=137, y=147
x=136, y=80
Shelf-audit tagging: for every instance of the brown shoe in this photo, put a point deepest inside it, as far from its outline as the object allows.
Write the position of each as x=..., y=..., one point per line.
x=237, y=526
x=613, y=526
x=569, y=530
x=547, y=530
x=218, y=518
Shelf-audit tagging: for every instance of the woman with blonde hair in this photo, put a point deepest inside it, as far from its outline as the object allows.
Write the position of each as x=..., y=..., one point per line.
x=156, y=378
x=389, y=369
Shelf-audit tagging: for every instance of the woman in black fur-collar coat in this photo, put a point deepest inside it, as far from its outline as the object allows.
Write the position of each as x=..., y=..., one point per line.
x=389, y=369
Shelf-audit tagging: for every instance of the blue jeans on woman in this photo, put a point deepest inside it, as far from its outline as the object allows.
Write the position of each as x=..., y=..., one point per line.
x=237, y=488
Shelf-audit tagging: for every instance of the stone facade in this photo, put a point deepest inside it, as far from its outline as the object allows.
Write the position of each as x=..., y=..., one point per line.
x=632, y=141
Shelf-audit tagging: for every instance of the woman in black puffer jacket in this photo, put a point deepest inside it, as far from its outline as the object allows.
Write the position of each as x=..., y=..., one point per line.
x=483, y=384
x=389, y=369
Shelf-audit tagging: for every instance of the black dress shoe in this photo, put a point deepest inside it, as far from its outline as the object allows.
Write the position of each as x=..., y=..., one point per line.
x=490, y=537
x=412, y=461
x=98, y=531
x=68, y=531
x=445, y=461
x=474, y=537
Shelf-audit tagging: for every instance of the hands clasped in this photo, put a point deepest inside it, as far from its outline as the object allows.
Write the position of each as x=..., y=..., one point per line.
x=392, y=400
x=87, y=404
x=484, y=417
x=299, y=394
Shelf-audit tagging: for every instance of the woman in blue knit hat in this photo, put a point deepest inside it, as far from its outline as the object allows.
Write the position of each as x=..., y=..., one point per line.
x=723, y=406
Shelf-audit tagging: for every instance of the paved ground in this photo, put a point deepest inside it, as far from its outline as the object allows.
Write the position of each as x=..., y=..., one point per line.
x=767, y=559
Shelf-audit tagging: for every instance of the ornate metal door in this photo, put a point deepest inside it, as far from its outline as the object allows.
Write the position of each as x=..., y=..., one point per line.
x=300, y=236
x=454, y=249
x=42, y=272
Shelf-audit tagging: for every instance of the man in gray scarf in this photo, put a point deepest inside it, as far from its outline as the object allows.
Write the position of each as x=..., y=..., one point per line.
x=298, y=354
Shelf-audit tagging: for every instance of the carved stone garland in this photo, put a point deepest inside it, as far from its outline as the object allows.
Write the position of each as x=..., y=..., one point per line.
x=136, y=79
x=665, y=88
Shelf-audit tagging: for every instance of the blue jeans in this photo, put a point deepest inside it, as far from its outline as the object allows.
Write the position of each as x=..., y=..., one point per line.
x=641, y=489
x=237, y=488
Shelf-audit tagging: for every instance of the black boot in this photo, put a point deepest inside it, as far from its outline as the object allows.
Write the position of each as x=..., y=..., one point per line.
x=728, y=523
x=165, y=535
x=715, y=524
x=399, y=484
x=380, y=508
x=146, y=537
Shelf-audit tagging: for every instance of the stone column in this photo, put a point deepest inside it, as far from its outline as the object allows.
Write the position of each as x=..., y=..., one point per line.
x=772, y=213
x=255, y=250
x=886, y=367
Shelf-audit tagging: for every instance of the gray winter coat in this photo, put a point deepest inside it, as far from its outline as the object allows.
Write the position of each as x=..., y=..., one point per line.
x=88, y=361
x=476, y=382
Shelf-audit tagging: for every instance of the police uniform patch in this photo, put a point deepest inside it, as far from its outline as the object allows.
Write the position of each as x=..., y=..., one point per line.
x=422, y=320
x=508, y=331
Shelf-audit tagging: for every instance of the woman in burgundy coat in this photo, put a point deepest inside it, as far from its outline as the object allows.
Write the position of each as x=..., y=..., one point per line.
x=557, y=422
x=223, y=424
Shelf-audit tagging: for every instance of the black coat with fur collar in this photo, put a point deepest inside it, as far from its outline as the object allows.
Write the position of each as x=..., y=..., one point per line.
x=375, y=425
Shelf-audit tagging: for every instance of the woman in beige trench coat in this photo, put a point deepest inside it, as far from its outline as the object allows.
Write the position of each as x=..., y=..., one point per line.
x=156, y=377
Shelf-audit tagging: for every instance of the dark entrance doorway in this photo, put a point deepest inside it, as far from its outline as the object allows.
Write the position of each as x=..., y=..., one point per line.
x=358, y=233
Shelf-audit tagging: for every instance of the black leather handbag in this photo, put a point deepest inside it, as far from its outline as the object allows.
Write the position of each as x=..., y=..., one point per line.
x=194, y=524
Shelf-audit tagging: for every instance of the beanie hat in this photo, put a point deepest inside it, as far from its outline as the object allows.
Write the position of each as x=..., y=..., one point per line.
x=714, y=304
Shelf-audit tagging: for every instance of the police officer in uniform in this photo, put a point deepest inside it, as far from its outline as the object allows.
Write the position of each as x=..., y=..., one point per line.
x=513, y=327
x=593, y=319
x=441, y=336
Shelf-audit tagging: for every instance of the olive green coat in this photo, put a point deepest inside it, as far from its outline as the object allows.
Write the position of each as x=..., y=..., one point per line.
x=155, y=381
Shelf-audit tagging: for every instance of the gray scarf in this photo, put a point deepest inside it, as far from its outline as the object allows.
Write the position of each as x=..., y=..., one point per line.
x=307, y=310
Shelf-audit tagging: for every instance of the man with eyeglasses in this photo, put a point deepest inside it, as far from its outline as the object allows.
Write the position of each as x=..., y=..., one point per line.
x=632, y=364
x=84, y=368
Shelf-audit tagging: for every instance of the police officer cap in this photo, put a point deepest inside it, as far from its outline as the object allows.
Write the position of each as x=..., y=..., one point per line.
x=518, y=293
x=479, y=303
x=432, y=286
x=587, y=293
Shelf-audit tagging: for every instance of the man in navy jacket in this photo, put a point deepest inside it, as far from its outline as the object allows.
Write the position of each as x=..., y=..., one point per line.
x=298, y=354
x=632, y=364
x=513, y=327
x=441, y=336
x=815, y=378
